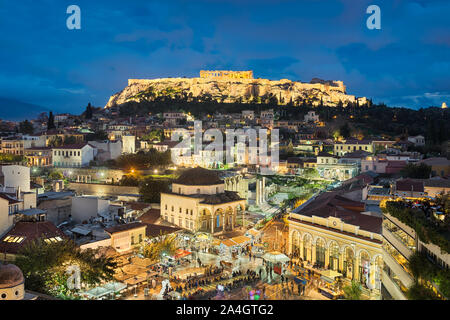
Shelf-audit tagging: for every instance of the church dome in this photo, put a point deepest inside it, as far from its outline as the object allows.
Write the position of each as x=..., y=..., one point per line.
x=199, y=177
x=10, y=276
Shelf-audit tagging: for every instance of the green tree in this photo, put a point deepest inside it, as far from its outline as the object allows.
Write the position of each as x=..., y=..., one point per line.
x=51, y=121
x=345, y=130
x=150, y=189
x=164, y=244
x=26, y=127
x=55, y=175
x=420, y=171
x=69, y=140
x=353, y=291
x=88, y=112
x=55, y=141
x=44, y=266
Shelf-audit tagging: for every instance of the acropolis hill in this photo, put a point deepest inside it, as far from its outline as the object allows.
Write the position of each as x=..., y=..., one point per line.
x=235, y=86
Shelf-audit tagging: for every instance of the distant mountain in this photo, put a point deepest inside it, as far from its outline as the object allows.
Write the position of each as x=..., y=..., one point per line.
x=15, y=110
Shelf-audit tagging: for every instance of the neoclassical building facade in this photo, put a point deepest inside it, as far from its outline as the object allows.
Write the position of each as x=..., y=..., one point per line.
x=333, y=232
x=199, y=202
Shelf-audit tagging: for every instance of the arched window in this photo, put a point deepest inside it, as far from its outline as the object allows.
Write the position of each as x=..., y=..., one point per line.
x=320, y=252
x=364, y=268
x=334, y=256
x=307, y=246
x=348, y=263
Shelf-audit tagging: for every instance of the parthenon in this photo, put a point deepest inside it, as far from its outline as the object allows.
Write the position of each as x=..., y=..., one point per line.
x=225, y=74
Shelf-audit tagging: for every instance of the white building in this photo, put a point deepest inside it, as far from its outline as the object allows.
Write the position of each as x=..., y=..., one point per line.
x=248, y=114
x=311, y=117
x=75, y=155
x=199, y=202
x=15, y=176
x=107, y=150
x=417, y=140
x=87, y=207
x=128, y=144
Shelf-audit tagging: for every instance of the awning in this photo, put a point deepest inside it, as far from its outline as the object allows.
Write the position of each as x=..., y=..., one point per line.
x=329, y=280
x=80, y=230
x=331, y=274
x=300, y=280
x=180, y=253
x=31, y=211
x=275, y=257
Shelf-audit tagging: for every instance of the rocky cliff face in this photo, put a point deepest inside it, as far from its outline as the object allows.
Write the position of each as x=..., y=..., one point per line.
x=243, y=90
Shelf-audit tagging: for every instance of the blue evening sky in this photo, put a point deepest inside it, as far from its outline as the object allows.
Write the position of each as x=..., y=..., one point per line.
x=406, y=63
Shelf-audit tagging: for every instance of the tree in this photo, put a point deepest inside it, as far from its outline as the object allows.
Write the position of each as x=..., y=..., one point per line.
x=70, y=140
x=51, y=121
x=353, y=291
x=55, y=141
x=26, y=127
x=97, y=136
x=163, y=244
x=45, y=266
x=150, y=189
x=345, y=131
x=55, y=175
x=88, y=112
x=420, y=171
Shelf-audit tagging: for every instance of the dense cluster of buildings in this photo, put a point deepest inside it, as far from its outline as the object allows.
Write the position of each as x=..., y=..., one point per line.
x=342, y=228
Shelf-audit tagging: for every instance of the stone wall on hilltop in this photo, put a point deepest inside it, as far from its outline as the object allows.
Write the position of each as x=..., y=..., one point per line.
x=235, y=90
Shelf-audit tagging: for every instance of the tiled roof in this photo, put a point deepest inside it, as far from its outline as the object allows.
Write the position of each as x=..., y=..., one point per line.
x=10, y=197
x=409, y=185
x=29, y=231
x=331, y=204
x=125, y=227
x=154, y=230
x=73, y=146
x=150, y=216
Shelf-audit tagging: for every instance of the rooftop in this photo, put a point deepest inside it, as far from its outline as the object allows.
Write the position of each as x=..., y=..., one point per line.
x=199, y=177
x=331, y=204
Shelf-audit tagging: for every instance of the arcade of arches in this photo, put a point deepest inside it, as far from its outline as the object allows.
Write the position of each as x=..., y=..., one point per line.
x=352, y=258
x=223, y=219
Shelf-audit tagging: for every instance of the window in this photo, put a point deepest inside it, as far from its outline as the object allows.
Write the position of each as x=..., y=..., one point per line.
x=166, y=206
x=140, y=237
x=132, y=239
x=180, y=210
x=198, y=191
x=172, y=208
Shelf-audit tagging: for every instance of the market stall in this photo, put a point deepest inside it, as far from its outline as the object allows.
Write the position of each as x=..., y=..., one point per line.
x=328, y=284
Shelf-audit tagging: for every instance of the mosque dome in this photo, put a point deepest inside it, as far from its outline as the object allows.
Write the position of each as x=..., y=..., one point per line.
x=10, y=276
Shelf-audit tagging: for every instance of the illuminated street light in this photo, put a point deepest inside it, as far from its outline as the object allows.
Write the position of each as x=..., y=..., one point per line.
x=155, y=171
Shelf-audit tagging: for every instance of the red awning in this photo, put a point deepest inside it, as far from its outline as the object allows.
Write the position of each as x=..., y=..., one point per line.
x=180, y=253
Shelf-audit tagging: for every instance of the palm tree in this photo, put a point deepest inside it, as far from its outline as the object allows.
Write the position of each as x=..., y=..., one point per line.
x=353, y=291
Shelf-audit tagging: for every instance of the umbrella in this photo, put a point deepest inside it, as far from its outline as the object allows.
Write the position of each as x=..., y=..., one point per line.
x=275, y=257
